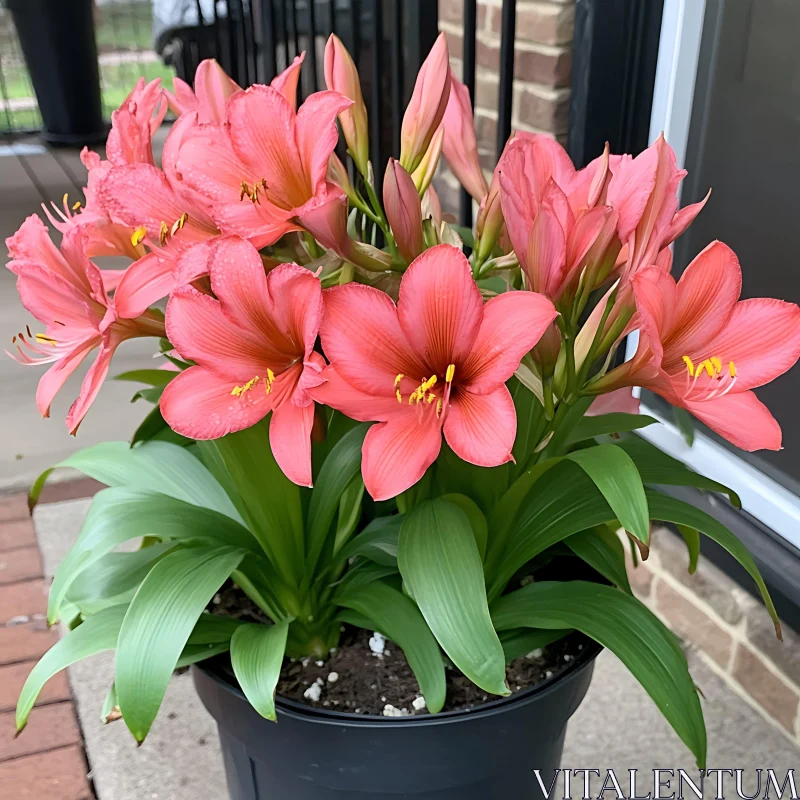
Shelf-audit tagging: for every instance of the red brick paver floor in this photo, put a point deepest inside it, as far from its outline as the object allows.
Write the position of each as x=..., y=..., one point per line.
x=47, y=761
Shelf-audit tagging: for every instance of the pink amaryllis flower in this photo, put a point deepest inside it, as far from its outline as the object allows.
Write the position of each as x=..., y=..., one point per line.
x=436, y=362
x=703, y=349
x=213, y=86
x=644, y=192
x=557, y=225
x=253, y=348
x=261, y=169
x=129, y=142
x=64, y=291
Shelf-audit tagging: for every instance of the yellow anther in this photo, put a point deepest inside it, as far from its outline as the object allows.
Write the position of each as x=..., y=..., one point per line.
x=399, y=396
x=182, y=220
x=689, y=365
x=137, y=237
x=397, y=380
x=76, y=205
x=450, y=374
x=163, y=233
x=40, y=337
x=238, y=391
x=430, y=398
x=428, y=384
x=270, y=380
x=732, y=369
x=244, y=191
x=65, y=198
x=717, y=364
x=708, y=367
x=438, y=408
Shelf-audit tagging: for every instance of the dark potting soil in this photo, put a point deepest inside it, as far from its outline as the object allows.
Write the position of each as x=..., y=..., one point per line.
x=356, y=679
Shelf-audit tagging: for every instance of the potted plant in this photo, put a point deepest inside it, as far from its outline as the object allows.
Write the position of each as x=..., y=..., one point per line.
x=389, y=483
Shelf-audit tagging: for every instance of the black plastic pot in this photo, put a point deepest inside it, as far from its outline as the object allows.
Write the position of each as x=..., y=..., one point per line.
x=486, y=754
x=58, y=42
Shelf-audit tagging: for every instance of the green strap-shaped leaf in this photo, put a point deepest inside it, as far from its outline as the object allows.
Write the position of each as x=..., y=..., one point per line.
x=522, y=641
x=256, y=655
x=564, y=501
x=626, y=627
x=605, y=424
x=342, y=466
x=656, y=467
x=602, y=550
x=158, y=624
x=350, y=508
x=386, y=610
x=110, y=705
x=476, y=519
x=441, y=565
x=270, y=501
x=616, y=476
x=153, y=377
x=377, y=542
x=117, y=515
x=692, y=539
x=94, y=635
x=114, y=576
x=152, y=466
x=670, y=509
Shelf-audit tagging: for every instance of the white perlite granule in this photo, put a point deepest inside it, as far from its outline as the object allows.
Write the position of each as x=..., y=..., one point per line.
x=377, y=643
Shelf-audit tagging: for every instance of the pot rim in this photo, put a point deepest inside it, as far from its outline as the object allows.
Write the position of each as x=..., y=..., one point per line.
x=324, y=716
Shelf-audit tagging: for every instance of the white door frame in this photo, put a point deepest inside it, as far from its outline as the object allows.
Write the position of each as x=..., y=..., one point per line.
x=673, y=98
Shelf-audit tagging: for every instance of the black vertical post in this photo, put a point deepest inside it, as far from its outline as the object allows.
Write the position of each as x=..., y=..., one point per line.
x=270, y=44
x=422, y=28
x=312, y=44
x=508, y=24
x=375, y=118
x=468, y=76
x=397, y=74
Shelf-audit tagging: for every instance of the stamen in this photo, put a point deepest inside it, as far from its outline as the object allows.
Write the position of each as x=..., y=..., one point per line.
x=419, y=393
x=450, y=374
x=65, y=199
x=163, y=233
x=238, y=391
x=397, y=380
x=244, y=191
x=269, y=381
x=41, y=337
x=137, y=237
x=708, y=367
x=689, y=365
x=28, y=329
x=716, y=363
x=732, y=369
x=76, y=205
x=439, y=408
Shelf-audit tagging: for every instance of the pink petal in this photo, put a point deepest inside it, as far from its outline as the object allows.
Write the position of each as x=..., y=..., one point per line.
x=762, y=339
x=286, y=82
x=544, y=259
x=145, y=282
x=317, y=134
x=92, y=382
x=707, y=292
x=32, y=243
x=545, y=159
x=263, y=131
x=200, y=331
x=683, y=219
x=620, y=401
x=337, y=393
x=182, y=100
x=481, y=427
x=199, y=404
x=363, y=340
x=440, y=307
x=655, y=294
x=296, y=306
x=54, y=301
x=630, y=188
x=290, y=440
x=742, y=419
x=512, y=324
x=51, y=382
x=140, y=194
x=213, y=87
x=397, y=453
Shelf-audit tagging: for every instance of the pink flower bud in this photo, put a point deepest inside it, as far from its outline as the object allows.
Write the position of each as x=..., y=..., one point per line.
x=423, y=174
x=427, y=106
x=403, y=210
x=460, y=145
x=341, y=76
x=489, y=224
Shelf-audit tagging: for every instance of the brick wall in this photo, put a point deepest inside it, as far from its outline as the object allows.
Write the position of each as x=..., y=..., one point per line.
x=542, y=65
x=731, y=630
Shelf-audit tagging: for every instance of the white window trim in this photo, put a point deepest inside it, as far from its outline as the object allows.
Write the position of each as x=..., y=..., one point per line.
x=673, y=97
